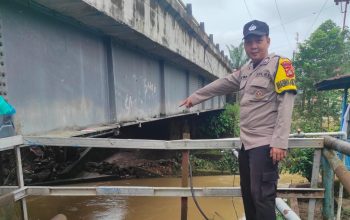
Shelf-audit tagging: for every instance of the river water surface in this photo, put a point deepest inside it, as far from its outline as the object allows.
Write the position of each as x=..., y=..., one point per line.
x=144, y=208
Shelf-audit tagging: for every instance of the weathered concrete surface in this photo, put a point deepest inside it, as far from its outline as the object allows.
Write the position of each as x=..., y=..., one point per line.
x=70, y=66
x=161, y=27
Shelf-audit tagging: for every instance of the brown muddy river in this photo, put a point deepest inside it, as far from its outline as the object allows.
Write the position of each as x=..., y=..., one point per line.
x=143, y=208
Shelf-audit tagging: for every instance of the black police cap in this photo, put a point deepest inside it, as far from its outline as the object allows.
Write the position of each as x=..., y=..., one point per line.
x=255, y=27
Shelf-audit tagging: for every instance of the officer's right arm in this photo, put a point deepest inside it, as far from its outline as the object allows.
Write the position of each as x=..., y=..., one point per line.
x=219, y=87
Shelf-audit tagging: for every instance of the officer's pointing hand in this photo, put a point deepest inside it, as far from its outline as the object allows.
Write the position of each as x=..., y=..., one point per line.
x=187, y=103
x=277, y=154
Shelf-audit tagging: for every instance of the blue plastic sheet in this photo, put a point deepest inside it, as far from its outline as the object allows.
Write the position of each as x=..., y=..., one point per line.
x=6, y=108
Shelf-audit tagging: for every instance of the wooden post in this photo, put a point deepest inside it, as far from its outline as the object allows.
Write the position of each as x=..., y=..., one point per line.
x=328, y=184
x=294, y=205
x=185, y=166
x=314, y=180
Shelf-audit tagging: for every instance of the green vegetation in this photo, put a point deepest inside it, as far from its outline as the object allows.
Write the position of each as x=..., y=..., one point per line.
x=237, y=55
x=322, y=56
x=299, y=161
x=325, y=54
x=227, y=163
x=225, y=125
x=279, y=216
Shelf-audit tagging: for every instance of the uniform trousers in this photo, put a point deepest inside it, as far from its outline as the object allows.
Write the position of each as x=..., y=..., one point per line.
x=259, y=178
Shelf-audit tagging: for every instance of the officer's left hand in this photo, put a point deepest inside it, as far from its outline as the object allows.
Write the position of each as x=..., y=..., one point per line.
x=277, y=154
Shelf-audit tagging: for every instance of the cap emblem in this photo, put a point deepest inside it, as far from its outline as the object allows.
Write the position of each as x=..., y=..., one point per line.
x=252, y=27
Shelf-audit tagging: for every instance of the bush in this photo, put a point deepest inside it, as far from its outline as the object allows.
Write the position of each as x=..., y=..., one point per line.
x=224, y=125
x=299, y=161
x=226, y=163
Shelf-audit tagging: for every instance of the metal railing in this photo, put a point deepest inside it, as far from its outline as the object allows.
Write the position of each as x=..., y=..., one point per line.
x=17, y=142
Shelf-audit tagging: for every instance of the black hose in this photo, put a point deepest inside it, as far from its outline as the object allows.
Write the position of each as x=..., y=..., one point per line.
x=194, y=197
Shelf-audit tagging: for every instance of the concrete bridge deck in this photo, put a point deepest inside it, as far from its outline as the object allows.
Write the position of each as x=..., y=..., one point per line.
x=68, y=65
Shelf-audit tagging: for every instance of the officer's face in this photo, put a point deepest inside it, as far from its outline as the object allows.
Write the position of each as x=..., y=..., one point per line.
x=256, y=47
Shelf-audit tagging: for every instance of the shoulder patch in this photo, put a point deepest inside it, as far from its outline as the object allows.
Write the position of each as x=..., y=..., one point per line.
x=285, y=76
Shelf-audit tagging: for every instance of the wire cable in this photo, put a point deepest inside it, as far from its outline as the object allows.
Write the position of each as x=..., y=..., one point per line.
x=284, y=28
x=193, y=196
x=246, y=5
x=318, y=14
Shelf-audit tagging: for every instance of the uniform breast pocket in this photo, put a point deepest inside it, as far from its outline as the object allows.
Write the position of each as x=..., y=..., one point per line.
x=259, y=89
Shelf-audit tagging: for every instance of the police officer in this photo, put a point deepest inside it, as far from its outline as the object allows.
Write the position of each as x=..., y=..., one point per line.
x=267, y=90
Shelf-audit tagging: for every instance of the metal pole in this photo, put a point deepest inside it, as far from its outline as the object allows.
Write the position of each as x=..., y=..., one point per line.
x=319, y=134
x=328, y=184
x=341, y=187
x=344, y=105
x=21, y=180
x=185, y=166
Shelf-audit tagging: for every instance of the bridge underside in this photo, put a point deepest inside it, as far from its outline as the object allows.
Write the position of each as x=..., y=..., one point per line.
x=61, y=76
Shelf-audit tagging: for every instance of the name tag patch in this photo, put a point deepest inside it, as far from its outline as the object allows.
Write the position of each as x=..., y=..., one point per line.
x=264, y=73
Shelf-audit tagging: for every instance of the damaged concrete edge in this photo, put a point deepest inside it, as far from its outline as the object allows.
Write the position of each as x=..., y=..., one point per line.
x=95, y=129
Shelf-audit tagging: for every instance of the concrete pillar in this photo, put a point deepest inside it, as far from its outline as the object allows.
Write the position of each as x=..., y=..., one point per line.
x=189, y=9
x=211, y=38
x=202, y=26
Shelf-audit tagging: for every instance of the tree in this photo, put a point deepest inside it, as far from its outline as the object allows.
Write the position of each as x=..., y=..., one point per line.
x=325, y=54
x=237, y=55
x=320, y=57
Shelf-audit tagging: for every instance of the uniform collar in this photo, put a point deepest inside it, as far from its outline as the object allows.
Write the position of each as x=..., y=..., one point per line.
x=265, y=61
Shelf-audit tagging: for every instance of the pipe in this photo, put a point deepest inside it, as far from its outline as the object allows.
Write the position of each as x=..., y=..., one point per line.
x=339, y=133
x=235, y=153
x=285, y=210
x=337, y=145
x=340, y=170
x=59, y=217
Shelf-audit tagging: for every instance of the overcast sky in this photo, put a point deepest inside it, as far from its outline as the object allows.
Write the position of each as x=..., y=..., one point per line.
x=225, y=19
